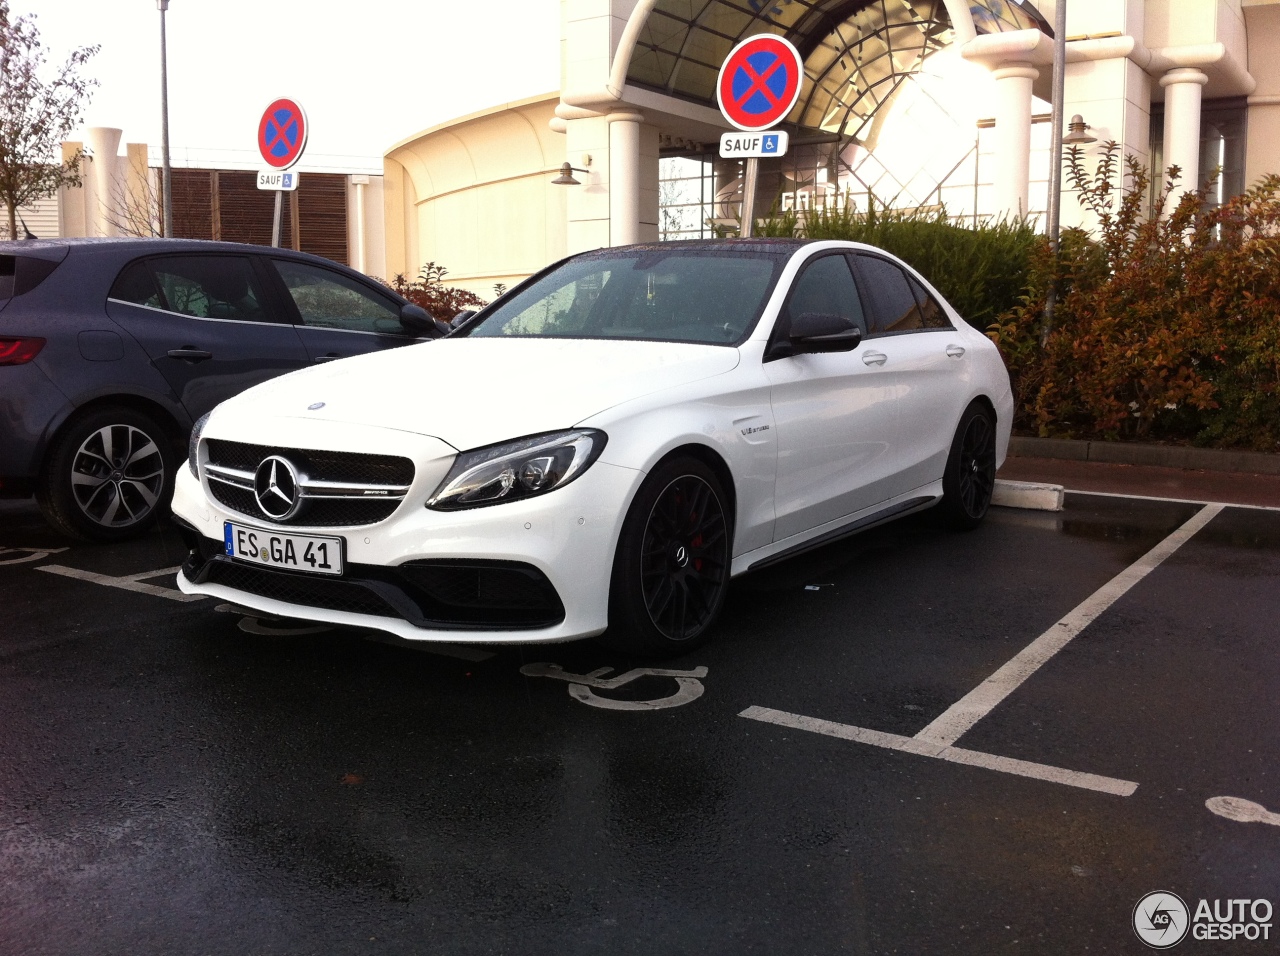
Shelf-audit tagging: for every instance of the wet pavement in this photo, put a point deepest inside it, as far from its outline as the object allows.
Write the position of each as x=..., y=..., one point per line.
x=183, y=778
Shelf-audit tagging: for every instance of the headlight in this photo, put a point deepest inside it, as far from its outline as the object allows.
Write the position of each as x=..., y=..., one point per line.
x=517, y=469
x=193, y=443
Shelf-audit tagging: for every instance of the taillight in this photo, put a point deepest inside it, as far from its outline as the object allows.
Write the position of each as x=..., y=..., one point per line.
x=19, y=351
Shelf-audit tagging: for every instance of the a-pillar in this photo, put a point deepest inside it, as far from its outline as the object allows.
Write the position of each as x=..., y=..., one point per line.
x=1182, y=127
x=1013, y=136
x=624, y=178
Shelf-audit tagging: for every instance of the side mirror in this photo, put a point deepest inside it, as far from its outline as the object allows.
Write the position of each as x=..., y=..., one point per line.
x=462, y=318
x=821, y=332
x=418, y=321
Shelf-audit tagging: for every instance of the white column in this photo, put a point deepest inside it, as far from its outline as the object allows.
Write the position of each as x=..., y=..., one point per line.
x=1182, y=89
x=101, y=195
x=1013, y=136
x=359, y=264
x=624, y=178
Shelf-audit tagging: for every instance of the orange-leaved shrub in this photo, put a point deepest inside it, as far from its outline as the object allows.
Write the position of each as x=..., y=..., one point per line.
x=1166, y=325
x=430, y=292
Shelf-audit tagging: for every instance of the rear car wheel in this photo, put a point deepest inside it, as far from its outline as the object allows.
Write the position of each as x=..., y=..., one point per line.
x=970, y=478
x=108, y=475
x=671, y=570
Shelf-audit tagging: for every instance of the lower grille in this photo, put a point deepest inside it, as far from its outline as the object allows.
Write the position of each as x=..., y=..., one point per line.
x=331, y=594
x=445, y=595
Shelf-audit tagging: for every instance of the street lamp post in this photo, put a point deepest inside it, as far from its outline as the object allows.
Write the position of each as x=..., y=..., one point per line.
x=1055, y=161
x=166, y=175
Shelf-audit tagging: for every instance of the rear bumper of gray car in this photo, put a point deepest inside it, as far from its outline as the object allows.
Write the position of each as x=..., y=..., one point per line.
x=28, y=403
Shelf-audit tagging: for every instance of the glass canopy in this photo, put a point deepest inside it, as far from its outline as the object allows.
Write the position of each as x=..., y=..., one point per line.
x=855, y=52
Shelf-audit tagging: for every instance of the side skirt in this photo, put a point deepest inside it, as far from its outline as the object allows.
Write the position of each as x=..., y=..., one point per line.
x=897, y=510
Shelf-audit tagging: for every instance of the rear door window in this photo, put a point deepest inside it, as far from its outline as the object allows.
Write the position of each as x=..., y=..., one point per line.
x=932, y=315
x=204, y=287
x=893, y=305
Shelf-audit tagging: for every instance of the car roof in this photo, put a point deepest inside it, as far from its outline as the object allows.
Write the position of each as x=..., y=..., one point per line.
x=126, y=247
x=776, y=245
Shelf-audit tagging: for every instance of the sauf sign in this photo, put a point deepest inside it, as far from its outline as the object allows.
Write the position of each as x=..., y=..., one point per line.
x=271, y=179
x=744, y=145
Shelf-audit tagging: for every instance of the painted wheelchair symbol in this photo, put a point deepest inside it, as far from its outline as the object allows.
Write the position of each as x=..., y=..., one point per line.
x=32, y=555
x=582, y=687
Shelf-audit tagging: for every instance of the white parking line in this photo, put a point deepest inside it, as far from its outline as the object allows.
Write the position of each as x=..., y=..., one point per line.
x=937, y=738
x=968, y=710
x=921, y=748
x=1176, y=501
x=129, y=582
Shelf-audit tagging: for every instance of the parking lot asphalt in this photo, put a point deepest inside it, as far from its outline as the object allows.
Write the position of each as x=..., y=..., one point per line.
x=912, y=741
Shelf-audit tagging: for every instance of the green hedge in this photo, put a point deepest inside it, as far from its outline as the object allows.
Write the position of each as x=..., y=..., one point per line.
x=982, y=272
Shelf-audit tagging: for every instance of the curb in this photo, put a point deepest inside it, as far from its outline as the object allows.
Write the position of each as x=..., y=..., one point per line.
x=1162, y=456
x=1028, y=495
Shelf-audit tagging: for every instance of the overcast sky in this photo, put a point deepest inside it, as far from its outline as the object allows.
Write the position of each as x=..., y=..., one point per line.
x=368, y=73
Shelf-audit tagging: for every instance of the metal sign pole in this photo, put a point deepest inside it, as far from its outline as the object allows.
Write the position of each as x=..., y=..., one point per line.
x=275, y=224
x=1055, y=162
x=749, y=176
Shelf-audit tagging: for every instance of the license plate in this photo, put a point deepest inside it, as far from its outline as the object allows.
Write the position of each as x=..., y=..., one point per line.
x=296, y=552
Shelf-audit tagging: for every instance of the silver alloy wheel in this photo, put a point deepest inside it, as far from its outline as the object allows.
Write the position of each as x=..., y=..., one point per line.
x=117, y=476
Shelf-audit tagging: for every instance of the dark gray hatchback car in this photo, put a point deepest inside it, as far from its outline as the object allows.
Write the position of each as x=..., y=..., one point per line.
x=111, y=348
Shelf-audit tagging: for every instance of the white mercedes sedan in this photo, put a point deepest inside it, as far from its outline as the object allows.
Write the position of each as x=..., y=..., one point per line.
x=601, y=449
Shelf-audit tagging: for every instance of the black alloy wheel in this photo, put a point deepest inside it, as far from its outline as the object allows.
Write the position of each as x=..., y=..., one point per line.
x=671, y=571
x=970, y=478
x=108, y=475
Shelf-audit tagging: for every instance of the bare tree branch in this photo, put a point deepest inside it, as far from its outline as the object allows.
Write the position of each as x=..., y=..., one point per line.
x=36, y=115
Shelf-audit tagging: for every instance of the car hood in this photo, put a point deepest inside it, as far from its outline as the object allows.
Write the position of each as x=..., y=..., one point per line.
x=471, y=392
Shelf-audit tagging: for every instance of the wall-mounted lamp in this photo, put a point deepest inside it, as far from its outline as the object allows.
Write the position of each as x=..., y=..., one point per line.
x=1077, y=135
x=566, y=173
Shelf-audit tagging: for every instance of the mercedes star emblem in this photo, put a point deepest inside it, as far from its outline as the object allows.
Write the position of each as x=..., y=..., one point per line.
x=275, y=485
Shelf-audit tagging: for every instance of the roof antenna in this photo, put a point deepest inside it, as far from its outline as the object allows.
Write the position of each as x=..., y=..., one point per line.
x=27, y=233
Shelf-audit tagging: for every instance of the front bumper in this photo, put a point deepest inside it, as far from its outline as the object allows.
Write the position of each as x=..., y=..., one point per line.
x=532, y=571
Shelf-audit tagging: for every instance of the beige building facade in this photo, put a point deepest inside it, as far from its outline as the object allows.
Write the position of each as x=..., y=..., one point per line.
x=933, y=103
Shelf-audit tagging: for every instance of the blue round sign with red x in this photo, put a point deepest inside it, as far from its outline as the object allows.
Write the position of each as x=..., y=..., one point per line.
x=282, y=134
x=759, y=82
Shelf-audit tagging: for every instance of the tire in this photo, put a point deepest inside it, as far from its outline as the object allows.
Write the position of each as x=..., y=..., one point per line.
x=671, y=569
x=970, y=478
x=108, y=475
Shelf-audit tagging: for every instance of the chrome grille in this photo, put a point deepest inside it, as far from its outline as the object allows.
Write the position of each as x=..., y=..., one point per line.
x=338, y=489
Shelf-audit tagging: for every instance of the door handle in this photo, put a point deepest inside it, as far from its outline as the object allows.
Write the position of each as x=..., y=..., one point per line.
x=955, y=351
x=189, y=353
x=327, y=358
x=874, y=358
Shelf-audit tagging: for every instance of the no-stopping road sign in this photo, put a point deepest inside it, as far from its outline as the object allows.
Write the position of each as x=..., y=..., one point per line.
x=759, y=82
x=282, y=133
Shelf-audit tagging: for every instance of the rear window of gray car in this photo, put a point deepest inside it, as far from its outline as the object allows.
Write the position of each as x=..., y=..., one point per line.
x=20, y=274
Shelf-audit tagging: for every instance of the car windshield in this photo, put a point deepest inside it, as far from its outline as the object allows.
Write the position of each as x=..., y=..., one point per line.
x=712, y=296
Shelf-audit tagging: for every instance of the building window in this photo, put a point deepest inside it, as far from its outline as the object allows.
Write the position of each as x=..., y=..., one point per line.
x=686, y=196
x=1222, y=144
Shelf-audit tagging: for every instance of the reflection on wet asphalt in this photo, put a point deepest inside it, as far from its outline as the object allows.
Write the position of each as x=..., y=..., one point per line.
x=176, y=785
